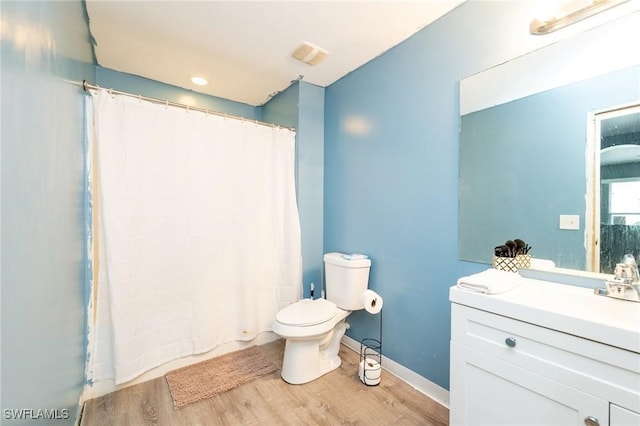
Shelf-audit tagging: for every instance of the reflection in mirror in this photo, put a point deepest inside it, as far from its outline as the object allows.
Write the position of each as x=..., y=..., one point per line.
x=523, y=165
x=618, y=134
x=528, y=154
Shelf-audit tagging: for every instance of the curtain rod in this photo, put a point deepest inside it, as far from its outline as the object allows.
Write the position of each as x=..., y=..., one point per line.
x=88, y=86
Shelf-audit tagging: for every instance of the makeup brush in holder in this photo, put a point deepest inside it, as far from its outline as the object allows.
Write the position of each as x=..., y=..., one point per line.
x=512, y=256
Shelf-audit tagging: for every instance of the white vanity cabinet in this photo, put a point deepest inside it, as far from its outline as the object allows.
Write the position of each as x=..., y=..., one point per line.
x=513, y=363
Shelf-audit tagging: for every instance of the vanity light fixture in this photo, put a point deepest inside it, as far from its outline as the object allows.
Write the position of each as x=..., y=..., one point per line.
x=199, y=80
x=568, y=12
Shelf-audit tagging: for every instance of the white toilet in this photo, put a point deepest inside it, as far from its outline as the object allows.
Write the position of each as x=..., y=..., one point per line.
x=313, y=328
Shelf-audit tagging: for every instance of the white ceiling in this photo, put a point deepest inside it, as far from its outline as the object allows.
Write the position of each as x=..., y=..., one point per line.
x=244, y=47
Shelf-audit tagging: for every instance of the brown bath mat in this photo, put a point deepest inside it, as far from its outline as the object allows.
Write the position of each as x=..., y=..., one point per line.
x=211, y=377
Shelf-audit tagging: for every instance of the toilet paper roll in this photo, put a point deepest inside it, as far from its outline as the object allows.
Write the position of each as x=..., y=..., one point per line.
x=372, y=301
x=369, y=371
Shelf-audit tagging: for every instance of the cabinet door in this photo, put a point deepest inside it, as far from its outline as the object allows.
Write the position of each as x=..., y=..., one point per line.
x=489, y=391
x=623, y=417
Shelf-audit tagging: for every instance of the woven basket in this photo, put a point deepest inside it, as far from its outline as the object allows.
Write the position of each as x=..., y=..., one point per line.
x=512, y=264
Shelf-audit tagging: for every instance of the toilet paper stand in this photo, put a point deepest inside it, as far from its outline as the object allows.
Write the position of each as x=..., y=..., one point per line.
x=370, y=367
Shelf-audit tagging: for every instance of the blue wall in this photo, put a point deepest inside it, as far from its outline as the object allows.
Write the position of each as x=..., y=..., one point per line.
x=302, y=106
x=310, y=158
x=391, y=175
x=44, y=45
x=283, y=108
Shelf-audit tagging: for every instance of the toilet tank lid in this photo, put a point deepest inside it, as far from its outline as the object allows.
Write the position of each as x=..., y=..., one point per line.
x=307, y=312
x=348, y=260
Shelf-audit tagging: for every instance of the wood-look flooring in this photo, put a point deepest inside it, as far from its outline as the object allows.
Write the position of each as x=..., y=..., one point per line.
x=337, y=398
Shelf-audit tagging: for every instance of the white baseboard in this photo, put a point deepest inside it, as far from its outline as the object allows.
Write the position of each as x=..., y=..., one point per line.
x=412, y=378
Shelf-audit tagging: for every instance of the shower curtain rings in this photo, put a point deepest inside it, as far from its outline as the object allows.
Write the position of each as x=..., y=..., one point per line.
x=113, y=93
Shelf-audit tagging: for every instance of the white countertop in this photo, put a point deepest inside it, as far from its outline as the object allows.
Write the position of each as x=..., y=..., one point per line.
x=569, y=309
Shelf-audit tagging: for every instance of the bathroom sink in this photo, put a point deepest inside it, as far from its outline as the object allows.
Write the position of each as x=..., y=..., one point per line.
x=566, y=308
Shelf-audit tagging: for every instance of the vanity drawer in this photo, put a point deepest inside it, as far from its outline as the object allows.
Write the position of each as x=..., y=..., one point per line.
x=604, y=371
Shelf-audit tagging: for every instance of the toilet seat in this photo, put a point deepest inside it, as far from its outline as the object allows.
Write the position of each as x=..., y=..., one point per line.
x=307, y=312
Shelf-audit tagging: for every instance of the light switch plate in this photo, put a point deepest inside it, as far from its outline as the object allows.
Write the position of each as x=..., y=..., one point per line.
x=570, y=221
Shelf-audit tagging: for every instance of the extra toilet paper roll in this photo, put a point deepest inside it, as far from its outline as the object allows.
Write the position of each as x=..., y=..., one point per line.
x=369, y=371
x=372, y=301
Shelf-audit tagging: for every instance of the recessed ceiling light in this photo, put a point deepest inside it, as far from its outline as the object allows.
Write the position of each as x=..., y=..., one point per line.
x=199, y=80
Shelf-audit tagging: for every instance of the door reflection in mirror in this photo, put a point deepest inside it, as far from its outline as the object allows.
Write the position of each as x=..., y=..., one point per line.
x=618, y=132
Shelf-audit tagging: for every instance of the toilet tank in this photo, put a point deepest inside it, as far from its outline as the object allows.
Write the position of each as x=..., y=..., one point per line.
x=346, y=279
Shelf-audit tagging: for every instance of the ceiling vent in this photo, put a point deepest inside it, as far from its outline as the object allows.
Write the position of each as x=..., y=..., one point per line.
x=310, y=53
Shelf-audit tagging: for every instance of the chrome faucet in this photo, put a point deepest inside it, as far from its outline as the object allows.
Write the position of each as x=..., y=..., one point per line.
x=625, y=283
x=627, y=271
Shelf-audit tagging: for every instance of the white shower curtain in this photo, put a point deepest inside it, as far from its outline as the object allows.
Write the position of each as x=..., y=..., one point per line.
x=200, y=231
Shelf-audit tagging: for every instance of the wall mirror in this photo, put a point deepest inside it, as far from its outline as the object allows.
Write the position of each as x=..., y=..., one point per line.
x=528, y=153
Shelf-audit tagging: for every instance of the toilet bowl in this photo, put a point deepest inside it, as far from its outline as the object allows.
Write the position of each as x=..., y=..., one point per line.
x=313, y=330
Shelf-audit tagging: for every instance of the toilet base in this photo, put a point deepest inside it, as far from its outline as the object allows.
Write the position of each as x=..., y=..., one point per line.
x=308, y=359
